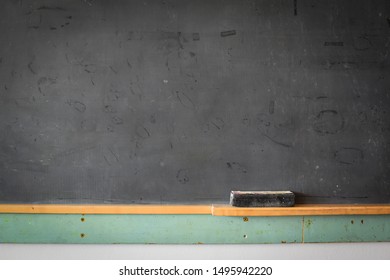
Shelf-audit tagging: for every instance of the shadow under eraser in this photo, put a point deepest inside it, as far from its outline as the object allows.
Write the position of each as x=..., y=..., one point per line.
x=262, y=198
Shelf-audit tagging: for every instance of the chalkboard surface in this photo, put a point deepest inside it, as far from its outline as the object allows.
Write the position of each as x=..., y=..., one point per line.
x=182, y=101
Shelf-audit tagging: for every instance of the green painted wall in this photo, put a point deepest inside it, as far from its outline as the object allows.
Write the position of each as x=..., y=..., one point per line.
x=190, y=229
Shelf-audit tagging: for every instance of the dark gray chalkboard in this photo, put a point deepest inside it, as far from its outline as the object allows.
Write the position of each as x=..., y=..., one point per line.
x=181, y=101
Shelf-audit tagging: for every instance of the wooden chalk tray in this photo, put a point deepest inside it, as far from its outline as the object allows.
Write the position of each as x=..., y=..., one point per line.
x=204, y=209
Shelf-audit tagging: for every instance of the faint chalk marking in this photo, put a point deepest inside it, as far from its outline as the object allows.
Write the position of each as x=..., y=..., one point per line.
x=89, y=2
x=72, y=151
x=50, y=8
x=328, y=122
x=106, y=160
x=362, y=43
x=129, y=64
x=44, y=82
x=117, y=120
x=277, y=142
x=113, y=70
x=115, y=155
x=185, y=100
x=246, y=121
x=182, y=176
x=295, y=7
x=77, y=105
x=349, y=155
x=30, y=66
x=236, y=166
x=218, y=123
x=195, y=36
x=228, y=33
x=142, y=132
x=89, y=68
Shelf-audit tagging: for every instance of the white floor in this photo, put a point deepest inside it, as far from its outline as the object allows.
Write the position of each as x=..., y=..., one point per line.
x=271, y=251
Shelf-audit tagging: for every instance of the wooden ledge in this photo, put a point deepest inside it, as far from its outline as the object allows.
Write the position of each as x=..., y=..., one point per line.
x=304, y=210
x=104, y=209
x=215, y=210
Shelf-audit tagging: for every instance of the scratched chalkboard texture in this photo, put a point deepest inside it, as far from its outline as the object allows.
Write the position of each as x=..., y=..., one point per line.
x=182, y=101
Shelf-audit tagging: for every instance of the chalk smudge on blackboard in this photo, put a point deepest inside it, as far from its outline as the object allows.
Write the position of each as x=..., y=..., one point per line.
x=277, y=142
x=328, y=122
x=295, y=7
x=349, y=155
x=44, y=82
x=129, y=64
x=218, y=123
x=30, y=66
x=236, y=166
x=142, y=132
x=109, y=108
x=48, y=8
x=117, y=120
x=72, y=151
x=106, y=160
x=113, y=70
x=77, y=105
x=114, y=154
x=195, y=36
x=228, y=33
x=185, y=100
x=362, y=43
x=182, y=177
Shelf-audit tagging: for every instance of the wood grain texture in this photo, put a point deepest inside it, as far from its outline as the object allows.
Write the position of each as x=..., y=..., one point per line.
x=304, y=210
x=104, y=209
x=215, y=210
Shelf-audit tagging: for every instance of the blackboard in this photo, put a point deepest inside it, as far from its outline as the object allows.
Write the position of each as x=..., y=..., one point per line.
x=182, y=101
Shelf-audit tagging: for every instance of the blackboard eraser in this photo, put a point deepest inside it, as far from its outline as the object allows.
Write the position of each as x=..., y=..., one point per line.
x=262, y=198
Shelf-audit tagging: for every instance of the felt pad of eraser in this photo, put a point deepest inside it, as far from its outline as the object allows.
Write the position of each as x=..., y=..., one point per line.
x=262, y=198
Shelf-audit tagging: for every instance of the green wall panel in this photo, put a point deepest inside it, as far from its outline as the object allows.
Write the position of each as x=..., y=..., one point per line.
x=164, y=229
x=190, y=229
x=346, y=228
